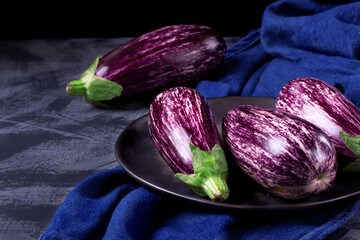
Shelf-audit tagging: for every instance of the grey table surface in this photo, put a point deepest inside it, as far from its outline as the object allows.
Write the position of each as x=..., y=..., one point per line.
x=42, y=129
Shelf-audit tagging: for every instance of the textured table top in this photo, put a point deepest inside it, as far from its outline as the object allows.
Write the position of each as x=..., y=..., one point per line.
x=50, y=141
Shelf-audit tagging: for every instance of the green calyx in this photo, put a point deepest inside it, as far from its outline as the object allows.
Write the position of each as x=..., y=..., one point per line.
x=210, y=173
x=353, y=143
x=93, y=88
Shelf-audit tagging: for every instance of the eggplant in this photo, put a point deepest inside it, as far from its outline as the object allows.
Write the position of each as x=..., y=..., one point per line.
x=286, y=155
x=169, y=56
x=325, y=106
x=182, y=127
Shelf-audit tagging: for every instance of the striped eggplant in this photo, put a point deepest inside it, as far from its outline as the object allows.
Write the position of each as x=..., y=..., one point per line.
x=325, y=106
x=183, y=130
x=288, y=156
x=169, y=56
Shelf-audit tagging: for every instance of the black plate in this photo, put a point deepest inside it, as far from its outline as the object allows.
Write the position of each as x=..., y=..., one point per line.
x=138, y=156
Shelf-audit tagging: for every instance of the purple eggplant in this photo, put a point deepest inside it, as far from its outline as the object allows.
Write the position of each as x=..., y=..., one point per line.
x=183, y=130
x=169, y=56
x=288, y=156
x=325, y=106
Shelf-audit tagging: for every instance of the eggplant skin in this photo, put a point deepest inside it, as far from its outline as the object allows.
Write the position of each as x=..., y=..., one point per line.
x=178, y=116
x=169, y=56
x=289, y=157
x=325, y=106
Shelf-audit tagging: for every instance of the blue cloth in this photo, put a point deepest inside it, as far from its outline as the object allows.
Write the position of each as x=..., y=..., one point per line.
x=109, y=205
x=297, y=39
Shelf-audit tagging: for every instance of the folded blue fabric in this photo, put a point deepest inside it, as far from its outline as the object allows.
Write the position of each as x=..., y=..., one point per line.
x=297, y=39
x=109, y=205
x=307, y=38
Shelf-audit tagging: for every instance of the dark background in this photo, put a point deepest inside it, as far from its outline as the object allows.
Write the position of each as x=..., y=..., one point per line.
x=125, y=19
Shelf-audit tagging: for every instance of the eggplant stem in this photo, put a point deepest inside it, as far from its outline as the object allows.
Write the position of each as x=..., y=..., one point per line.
x=352, y=142
x=216, y=188
x=210, y=173
x=92, y=87
x=76, y=88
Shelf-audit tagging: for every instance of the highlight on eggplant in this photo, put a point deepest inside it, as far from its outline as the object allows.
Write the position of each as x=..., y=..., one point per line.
x=183, y=130
x=288, y=156
x=170, y=56
x=325, y=106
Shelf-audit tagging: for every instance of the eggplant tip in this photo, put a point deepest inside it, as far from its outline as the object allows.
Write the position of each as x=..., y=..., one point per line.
x=221, y=198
